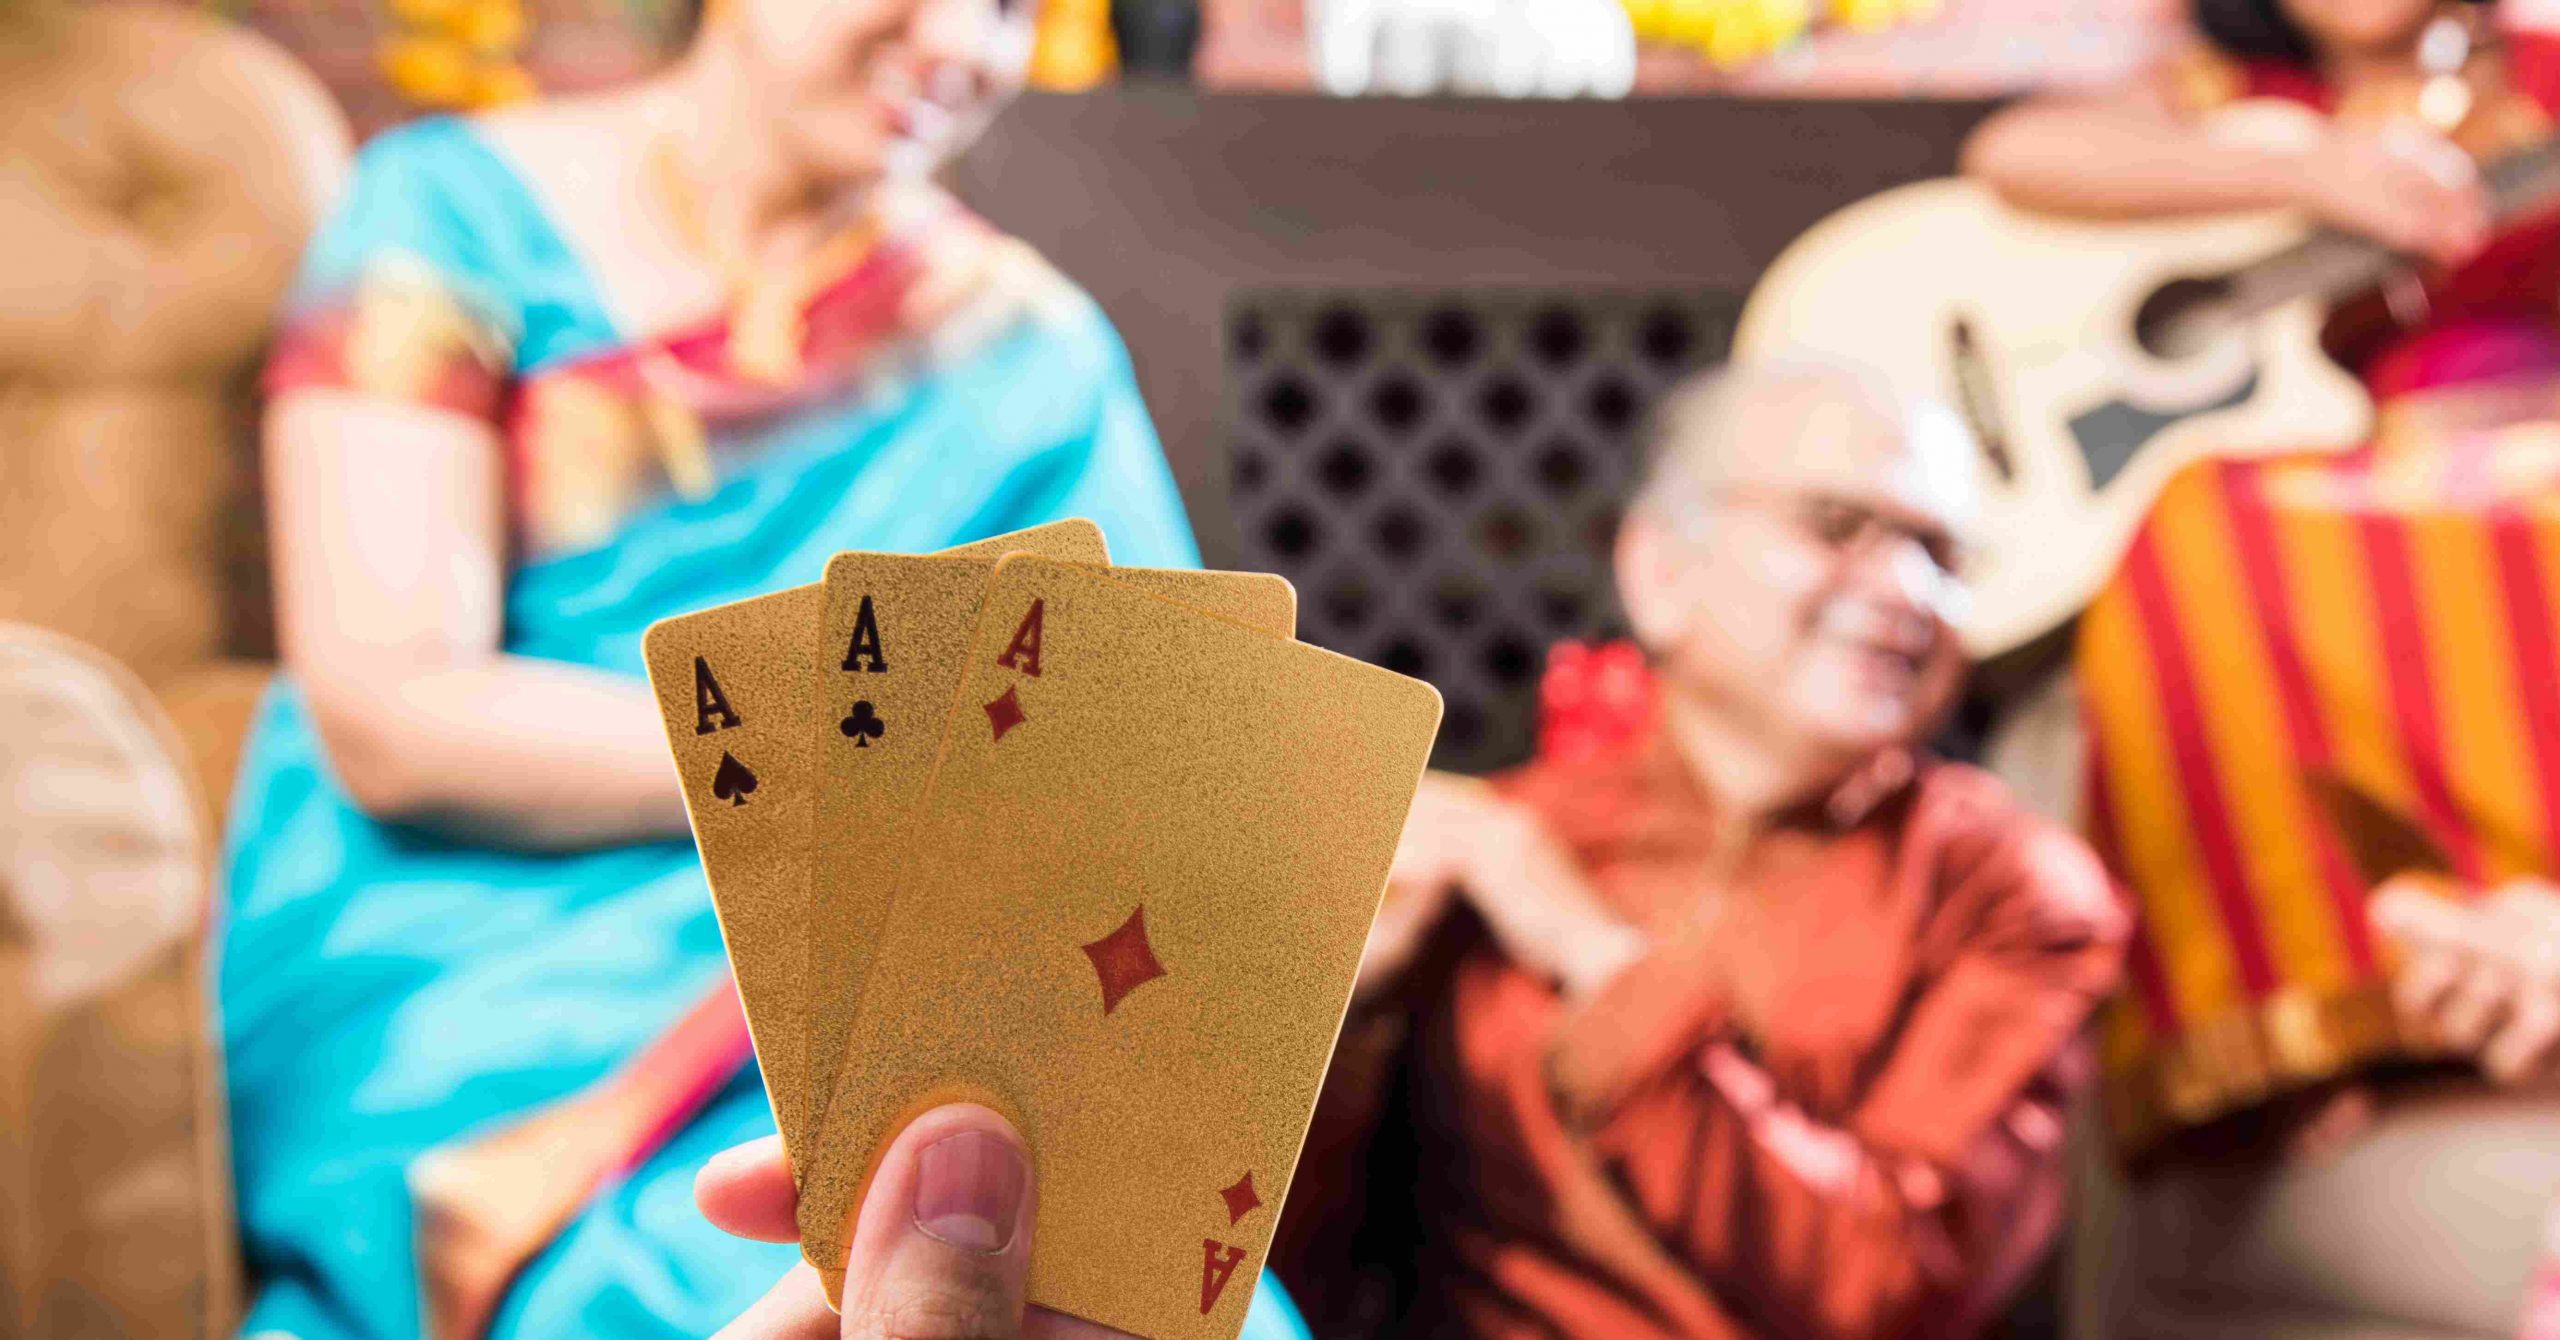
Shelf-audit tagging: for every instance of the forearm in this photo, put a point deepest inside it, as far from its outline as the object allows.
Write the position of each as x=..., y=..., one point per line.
x=2101, y=163
x=505, y=750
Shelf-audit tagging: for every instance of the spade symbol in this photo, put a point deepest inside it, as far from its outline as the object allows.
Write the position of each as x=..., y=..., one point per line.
x=863, y=726
x=734, y=782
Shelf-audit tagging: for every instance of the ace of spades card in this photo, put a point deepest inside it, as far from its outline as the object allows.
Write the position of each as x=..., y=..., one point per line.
x=1127, y=914
x=734, y=690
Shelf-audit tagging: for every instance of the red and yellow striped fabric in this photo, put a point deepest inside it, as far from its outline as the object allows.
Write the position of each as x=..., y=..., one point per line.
x=2392, y=617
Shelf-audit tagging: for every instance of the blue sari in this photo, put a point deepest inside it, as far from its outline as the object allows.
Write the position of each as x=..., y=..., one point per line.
x=384, y=991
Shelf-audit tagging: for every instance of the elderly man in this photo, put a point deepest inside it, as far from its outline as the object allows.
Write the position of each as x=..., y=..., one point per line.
x=1755, y=1021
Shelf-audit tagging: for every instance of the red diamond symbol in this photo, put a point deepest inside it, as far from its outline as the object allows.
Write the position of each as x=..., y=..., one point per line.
x=1240, y=1199
x=1123, y=960
x=1005, y=713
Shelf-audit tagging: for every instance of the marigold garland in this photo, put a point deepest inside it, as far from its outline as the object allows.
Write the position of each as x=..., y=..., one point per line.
x=1072, y=48
x=456, y=54
x=1734, y=33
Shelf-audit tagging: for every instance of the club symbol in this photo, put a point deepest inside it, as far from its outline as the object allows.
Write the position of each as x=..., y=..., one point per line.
x=1005, y=713
x=735, y=781
x=863, y=726
x=1124, y=960
x=1240, y=1199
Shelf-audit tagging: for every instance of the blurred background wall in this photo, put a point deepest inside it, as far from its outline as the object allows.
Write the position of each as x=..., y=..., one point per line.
x=1969, y=48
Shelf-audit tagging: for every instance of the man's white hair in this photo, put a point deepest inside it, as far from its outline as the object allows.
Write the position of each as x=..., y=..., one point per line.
x=1696, y=440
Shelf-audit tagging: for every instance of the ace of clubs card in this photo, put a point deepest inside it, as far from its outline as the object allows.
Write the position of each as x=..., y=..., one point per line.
x=1128, y=916
x=734, y=690
x=896, y=629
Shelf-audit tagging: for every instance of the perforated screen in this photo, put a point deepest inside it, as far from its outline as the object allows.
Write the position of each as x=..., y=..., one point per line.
x=1441, y=473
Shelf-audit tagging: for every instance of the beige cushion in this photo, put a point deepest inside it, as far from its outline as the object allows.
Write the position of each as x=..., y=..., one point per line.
x=159, y=171
x=114, y=1173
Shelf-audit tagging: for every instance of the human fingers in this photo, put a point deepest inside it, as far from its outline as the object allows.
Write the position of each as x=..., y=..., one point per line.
x=795, y=1309
x=2426, y=977
x=2482, y=998
x=2524, y=1049
x=941, y=1246
x=747, y=1192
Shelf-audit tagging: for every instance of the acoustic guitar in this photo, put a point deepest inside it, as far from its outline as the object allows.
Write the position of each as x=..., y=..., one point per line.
x=2092, y=360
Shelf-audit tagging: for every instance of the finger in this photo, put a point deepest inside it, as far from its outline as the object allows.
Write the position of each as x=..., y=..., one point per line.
x=2523, y=1049
x=1042, y=1324
x=747, y=1192
x=2410, y=909
x=942, y=1244
x=2477, y=1006
x=2440, y=158
x=2474, y=929
x=2457, y=239
x=2523, y=918
x=2426, y=978
x=2342, y=1118
x=795, y=1309
x=2452, y=248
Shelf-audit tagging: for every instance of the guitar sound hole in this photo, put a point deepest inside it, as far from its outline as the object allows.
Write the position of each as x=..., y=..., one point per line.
x=2182, y=316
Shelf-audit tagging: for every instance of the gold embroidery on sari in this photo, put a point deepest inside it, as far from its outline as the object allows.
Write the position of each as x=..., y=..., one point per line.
x=588, y=452
x=407, y=329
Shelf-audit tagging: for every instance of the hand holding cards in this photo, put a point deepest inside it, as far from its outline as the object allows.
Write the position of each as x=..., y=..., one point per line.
x=1101, y=854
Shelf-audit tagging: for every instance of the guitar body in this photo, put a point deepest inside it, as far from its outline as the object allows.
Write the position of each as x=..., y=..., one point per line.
x=2026, y=325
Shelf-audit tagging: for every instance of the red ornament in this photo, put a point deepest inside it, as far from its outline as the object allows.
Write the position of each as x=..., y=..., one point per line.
x=1593, y=699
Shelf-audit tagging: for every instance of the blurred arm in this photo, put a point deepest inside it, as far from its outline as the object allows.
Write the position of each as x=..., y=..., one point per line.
x=2126, y=154
x=390, y=540
x=1463, y=839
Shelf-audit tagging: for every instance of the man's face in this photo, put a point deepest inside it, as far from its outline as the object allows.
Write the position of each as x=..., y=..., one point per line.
x=1811, y=588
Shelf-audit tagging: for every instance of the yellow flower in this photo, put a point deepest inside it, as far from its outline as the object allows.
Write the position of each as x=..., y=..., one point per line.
x=1747, y=30
x=499, y=85
x=424, y=13
x=1070, y=56
x=1866, y=16
x=435, y=71
x=1872, y=15
x=1782, y=21
x=1687, y=22
x=493, y=26
x=1647, y=18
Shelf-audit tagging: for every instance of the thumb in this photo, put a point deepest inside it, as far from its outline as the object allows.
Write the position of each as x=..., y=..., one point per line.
x=942, y=1249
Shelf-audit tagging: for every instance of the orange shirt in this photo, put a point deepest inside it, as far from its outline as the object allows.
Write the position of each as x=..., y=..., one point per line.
x=1838, y=1112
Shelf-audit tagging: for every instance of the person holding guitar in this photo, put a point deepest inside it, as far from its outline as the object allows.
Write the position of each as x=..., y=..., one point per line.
x=2390, y=165
x=2310, y=1089
x=2415, y=94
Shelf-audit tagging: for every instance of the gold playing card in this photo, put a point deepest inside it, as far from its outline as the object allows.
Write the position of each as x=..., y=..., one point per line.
x=892, y=638
x=1132, y=904
x=733, y=689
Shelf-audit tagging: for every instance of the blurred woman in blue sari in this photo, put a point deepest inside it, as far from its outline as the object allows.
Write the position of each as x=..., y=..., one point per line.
x=550, y=375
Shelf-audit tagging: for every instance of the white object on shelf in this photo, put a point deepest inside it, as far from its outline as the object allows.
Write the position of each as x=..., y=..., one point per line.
x=1495, y=48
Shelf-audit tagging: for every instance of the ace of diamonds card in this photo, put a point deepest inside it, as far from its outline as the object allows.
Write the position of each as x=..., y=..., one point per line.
x=1130, y=913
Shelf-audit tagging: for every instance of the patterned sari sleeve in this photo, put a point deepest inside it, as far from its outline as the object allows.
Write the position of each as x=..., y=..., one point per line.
x=399, y=296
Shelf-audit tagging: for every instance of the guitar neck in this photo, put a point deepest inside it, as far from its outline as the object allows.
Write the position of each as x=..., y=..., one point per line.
x=2334, y=265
